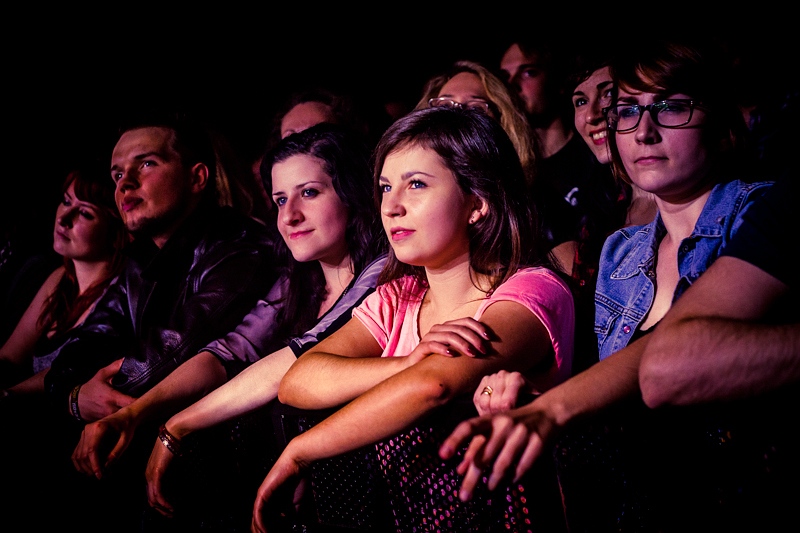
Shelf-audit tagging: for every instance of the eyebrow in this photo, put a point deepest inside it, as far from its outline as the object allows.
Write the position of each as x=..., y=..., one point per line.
x=302, y=186
x=145, y=155
x=409, y=175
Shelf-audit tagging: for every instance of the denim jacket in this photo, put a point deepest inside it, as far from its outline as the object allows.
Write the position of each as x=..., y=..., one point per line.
x=625, y=288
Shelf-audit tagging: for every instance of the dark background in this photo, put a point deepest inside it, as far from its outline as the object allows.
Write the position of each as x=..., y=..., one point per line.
x=68, y=76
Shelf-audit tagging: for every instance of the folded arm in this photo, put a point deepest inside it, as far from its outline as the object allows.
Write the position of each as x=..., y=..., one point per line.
x=712, y=345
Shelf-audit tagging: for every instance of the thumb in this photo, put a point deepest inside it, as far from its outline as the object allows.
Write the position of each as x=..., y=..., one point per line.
x=110, y=370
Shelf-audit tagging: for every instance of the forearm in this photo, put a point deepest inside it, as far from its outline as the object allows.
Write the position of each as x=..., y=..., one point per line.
x=254, y=387
x=601, y=386
x=186, y=384
x=707, y=359
x=408, y=396
x=321, y=380
x=32, y=385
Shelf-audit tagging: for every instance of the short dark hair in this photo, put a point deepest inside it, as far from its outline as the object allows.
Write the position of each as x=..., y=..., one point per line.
x=192, y=140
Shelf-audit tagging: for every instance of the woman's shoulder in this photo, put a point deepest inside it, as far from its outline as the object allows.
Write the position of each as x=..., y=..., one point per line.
x=532, y=279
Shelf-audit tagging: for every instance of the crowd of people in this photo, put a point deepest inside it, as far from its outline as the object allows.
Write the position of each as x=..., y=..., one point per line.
x=553, y=295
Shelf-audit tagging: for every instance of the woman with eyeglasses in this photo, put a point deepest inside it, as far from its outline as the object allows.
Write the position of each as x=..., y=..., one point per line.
x=674, y=132
x=467, y=84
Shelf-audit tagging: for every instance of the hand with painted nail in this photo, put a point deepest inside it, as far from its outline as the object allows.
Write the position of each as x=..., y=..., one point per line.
x=463, y=336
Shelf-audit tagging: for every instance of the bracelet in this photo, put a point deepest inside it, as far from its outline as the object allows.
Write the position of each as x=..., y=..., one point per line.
x=73, y=403
x=170, y=441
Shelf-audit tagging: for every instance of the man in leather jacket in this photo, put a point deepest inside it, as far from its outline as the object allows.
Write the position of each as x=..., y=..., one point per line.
x=193, y=271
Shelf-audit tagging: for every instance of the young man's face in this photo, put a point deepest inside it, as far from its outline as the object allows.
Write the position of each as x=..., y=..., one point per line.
x=155, y=191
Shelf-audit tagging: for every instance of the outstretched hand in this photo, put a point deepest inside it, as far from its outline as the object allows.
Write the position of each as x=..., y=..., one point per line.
x=97, y=398
x=464, y=336
x=280, y=493
x=157, y=465
x=507, y=443
x=102, y=443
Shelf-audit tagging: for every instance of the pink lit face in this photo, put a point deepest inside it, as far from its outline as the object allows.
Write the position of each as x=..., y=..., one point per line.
x=312, y=219
x=465, y=87
x=154, y=188
x=589, y=99
x=425, y=212
x=82, y=230
x=672, y=163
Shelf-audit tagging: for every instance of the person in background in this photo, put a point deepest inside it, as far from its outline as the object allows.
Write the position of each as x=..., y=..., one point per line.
x=470, y=84
x=536, y=65
x=321, y=185
x=466, y=288
x=675, y=135
x=89, y=236
x=615, y=203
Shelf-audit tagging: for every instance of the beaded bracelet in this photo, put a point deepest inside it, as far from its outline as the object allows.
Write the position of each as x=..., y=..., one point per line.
x=73, y=403
x=170, y=441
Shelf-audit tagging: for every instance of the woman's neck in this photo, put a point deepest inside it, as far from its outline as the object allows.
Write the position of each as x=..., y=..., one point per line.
x=88, y=273
x=337, y=278
x=452, y=289
x=681, y=217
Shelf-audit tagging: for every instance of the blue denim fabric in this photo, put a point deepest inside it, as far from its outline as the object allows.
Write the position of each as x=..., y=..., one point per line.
x=625, y=288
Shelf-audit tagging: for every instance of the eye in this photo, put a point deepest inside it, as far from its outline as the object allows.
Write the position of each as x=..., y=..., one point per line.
x=579, y=102
x=66, y=201
x=279, y=201
x=530, y=73
x=116, y=176
x=309, y=193
x=88, y=215
x=384, y=188
x=416, y=184
x=628, y=111
x=607, y=96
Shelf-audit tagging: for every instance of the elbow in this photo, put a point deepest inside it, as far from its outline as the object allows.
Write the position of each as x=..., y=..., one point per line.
x=658, y=382
x=434, y=391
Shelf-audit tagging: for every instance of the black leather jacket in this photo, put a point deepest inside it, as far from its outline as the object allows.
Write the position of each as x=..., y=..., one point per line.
x=169, y=303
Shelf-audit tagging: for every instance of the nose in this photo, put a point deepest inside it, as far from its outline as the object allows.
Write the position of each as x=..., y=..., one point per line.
x=391, y=205
x=65, y=217
x=647, y=131
x=290, y=213
x=594, y=114
x=128, y=181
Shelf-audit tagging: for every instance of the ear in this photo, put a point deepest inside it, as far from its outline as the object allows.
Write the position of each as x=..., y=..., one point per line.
x=479, y=210
x=199, y=173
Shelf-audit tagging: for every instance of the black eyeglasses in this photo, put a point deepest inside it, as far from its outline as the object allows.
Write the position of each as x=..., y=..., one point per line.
x=666, y=113
x=475, y=105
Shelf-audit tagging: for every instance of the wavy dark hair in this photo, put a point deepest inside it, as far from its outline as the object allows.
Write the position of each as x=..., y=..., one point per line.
x=64, y=307
x=345, y=157
x=699, y=69
x=485, y=163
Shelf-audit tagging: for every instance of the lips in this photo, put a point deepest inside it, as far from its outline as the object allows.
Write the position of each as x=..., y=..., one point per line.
x=400, y=233
x=129, y=203
x=62, y=235
x=598, y=137
x=299, y=234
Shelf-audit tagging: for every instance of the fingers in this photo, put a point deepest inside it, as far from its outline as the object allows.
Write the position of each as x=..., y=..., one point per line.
x=157, y=465
x=499, y=392
x=466, y=336
x=459, y=435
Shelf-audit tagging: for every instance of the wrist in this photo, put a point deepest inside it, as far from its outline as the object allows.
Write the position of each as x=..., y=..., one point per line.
x=74, y=409
x=170, y=441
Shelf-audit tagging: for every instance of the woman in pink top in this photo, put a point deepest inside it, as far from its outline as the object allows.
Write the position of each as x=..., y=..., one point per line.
x=466, y=291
